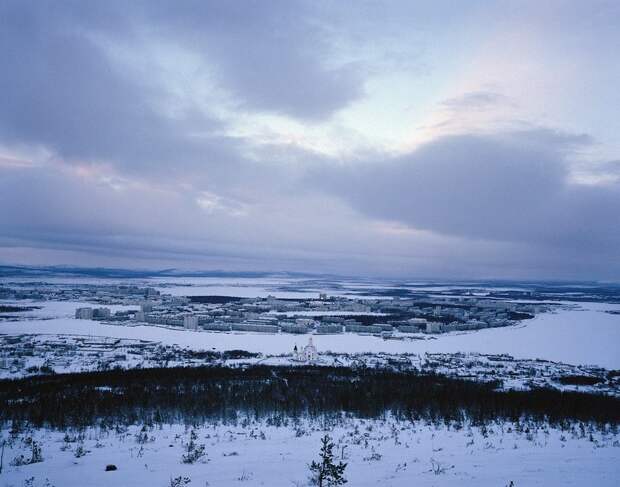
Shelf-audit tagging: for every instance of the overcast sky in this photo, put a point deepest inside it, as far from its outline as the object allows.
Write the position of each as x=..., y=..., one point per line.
x=418, y=139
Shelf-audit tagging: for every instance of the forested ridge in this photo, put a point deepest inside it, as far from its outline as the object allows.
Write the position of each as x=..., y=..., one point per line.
x=199, y=394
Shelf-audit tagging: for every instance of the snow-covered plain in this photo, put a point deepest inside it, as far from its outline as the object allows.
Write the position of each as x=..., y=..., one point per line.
x=378, y=452
x=583, y=334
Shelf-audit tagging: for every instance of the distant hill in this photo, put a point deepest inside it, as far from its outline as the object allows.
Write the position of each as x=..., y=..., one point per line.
x=50, y=271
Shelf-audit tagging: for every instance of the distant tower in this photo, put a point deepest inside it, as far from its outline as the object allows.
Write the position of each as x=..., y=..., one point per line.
x=190, y=322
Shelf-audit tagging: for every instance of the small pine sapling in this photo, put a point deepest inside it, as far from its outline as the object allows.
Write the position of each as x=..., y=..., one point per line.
x=326, y=473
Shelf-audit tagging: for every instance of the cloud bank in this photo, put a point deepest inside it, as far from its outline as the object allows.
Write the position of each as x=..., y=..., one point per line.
x=301, y=136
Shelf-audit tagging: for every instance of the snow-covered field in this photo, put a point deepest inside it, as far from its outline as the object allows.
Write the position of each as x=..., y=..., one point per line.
x=29, y=355
x=585, y=334
x=378, y=452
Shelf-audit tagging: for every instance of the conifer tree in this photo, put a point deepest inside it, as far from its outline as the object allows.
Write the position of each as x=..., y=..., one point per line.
x=326, y=473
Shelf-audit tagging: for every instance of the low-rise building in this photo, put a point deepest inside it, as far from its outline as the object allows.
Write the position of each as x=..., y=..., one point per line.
x=419, y=322
x=433, y=327
x=408, y=329
x=101, y=313
x=328, y=329
x=216, y=326
x=84, y=313
x=255, y=328
x=293, y=328
x=363, y=328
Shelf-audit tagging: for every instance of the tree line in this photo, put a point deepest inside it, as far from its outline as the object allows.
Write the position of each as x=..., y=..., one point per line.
x=200, y=394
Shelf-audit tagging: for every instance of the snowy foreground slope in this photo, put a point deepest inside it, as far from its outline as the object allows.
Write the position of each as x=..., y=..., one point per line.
x=378, y=452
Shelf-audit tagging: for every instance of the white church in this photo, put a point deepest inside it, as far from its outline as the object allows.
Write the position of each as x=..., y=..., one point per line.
x=307, y=354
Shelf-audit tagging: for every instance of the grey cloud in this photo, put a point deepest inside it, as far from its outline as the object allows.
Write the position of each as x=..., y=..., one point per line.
x=57, y=209
x=506, y=187
x=503, y=201
x=272, y=55
x=64, y=93
x=610, y=168
x=476, y=100
x=47, y=210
